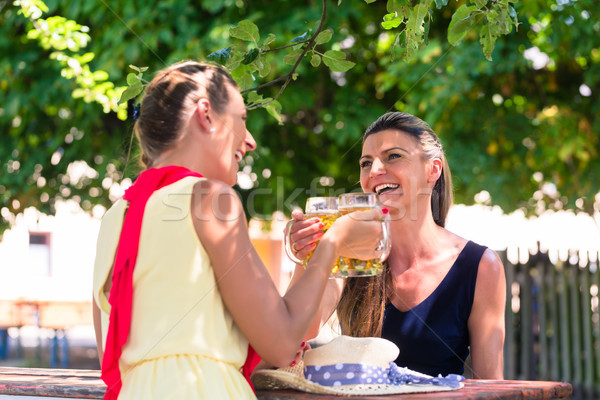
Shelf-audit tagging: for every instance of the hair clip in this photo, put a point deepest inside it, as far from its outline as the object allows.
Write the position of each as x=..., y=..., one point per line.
x=136, y=112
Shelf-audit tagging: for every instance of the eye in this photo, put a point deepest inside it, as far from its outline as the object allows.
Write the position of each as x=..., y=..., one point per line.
x=365, y=164
x=393, y=156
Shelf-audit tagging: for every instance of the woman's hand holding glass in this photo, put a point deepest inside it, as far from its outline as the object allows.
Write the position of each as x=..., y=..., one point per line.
x=305, y=230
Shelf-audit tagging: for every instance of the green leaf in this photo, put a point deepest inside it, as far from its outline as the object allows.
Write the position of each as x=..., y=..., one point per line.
x=243, y=76
x=463, y=20
x=488, y=41
x=132, y=78
x=300, y=38
x=220, y=56
x=234, y=60
x=274, y=109
x=480, y=3
x=292, y=56
x=391, y=21
x=267, y=42
x=253, y=98
x=131, y=92
x=440, y=3
x=324, y=36
x=100, y=76
x=402, y=7
x=264, y=68
x=250, y=56
x=315, y=60
x=86, y=58
x=336, y=61
x=370, y=1
x=245, y=30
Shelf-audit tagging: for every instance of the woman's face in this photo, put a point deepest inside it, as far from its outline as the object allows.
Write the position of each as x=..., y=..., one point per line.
x=392, y=165
x=233, y=140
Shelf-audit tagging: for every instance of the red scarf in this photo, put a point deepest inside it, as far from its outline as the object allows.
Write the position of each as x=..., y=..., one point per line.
x=121, y=292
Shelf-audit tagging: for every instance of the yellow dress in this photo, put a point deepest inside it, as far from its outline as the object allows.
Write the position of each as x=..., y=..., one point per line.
x=183, y=343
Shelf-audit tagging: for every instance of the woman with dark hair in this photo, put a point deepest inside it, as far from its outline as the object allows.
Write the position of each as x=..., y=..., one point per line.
x=179, y=324
x=440, y=296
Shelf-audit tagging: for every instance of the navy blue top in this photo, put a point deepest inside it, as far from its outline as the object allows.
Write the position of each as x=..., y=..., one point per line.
x=433, y=337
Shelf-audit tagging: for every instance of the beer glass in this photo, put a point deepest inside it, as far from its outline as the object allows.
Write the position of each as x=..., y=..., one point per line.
x=351, y=267
x=324, y=208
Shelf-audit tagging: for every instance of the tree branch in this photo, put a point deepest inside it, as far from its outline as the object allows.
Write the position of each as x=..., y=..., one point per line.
x=289, y=75
x=285, y=47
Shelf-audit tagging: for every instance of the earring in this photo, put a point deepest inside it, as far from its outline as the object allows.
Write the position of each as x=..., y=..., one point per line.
x=212, y=129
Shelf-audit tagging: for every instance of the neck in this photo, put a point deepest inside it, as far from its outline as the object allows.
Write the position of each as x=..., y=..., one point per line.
x=183, y=153
x=413, y=239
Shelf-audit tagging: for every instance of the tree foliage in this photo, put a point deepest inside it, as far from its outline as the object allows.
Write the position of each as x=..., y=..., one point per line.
x=511, y=89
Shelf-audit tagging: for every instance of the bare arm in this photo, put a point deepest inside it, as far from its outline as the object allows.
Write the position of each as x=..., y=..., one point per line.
x=486, y=323
x=329, y=301
x=97, y=329
x=304, y=236
x=274, y=325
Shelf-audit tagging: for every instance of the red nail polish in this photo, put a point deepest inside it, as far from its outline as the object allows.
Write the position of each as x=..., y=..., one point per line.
x=303, y=344
x=293, y=363
x=385, y=210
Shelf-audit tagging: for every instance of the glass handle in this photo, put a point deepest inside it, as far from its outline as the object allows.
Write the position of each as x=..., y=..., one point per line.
x=385, y=244
x=288, y=246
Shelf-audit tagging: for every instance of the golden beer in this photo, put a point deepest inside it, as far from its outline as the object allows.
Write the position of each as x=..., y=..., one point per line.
x=324, y=208
x=352, y=267
x=327, y=219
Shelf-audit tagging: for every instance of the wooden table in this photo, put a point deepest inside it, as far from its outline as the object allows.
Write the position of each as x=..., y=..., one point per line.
x=86, y=384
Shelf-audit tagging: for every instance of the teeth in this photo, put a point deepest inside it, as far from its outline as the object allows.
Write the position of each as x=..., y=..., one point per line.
x=379, y=188
x=238, y=156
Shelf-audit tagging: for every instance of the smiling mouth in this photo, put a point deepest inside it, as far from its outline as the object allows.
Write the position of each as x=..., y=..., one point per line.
x=238, y=156
x=385, y=188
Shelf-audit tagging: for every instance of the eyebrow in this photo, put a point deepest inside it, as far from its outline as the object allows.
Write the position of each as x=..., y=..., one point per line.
x=387, y=151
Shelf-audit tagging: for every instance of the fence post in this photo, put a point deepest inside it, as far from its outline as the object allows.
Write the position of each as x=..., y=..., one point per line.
x=575, y=310
x=554, y=321
x=509, y=343
x=565, y=342
x=526, y=342
x=586, y=308
x=541, y=263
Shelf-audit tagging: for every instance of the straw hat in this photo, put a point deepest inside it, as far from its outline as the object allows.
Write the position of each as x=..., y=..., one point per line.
x=351, y=366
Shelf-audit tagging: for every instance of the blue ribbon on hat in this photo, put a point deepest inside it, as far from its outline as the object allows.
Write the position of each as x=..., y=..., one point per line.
x=355, y=374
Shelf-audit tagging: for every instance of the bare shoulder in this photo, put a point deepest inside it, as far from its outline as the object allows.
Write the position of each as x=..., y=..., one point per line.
x=490, y=263
x=490, y=275
x=215, y=201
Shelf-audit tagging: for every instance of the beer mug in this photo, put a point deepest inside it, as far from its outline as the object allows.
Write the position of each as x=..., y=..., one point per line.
x=324, y=208
x=351, y=267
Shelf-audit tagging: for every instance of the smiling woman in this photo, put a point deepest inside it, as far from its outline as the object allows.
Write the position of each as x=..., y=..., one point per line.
x=179, y=290
x=441, y=296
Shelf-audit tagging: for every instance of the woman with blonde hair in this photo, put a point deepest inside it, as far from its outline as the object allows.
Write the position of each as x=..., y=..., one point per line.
x=179, y=290
x=441, y=297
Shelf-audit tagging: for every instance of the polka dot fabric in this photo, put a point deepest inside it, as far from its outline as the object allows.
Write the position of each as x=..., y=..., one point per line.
x=355, y=374
x=345, y=374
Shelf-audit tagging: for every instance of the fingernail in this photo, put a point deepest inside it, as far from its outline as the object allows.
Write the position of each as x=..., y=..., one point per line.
x=303, y=344
x=385, y=210
x=321, y=225
x=293, y=363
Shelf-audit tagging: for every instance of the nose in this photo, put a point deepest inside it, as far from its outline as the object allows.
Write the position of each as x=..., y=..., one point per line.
x=377, y=168
x=249, y=141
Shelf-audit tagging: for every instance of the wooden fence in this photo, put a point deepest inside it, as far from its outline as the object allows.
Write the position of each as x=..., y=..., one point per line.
x=552, y=322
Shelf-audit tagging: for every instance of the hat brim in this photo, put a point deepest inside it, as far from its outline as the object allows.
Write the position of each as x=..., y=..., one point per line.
x=293, y=378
